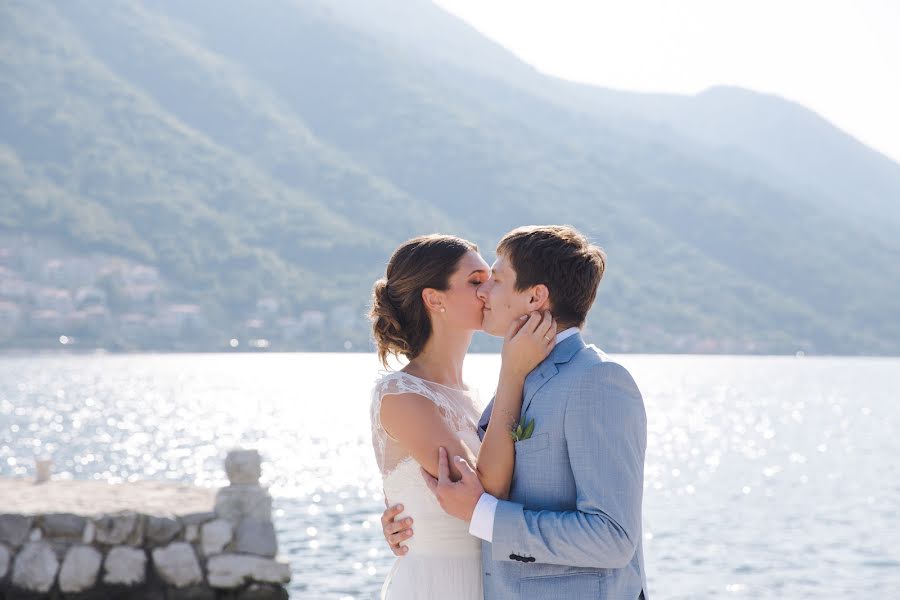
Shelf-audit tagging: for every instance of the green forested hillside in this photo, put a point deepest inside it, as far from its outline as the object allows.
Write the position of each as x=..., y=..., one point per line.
x=280, y=150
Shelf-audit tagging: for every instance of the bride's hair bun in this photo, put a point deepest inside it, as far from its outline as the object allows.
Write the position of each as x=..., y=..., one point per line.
x=400, y=321
x=386, y=325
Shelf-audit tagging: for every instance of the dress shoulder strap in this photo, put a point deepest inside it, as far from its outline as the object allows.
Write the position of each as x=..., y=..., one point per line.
x=398, y=382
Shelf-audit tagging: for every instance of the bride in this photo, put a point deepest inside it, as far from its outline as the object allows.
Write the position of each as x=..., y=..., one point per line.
x=427, y=308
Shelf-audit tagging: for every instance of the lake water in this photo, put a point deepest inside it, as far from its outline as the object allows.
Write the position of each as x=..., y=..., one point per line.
x=766, y=477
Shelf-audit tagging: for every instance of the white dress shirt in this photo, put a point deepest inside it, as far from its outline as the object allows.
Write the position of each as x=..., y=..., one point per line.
x=482, y=524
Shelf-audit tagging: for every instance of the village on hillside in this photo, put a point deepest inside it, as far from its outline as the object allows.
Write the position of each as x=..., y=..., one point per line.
x=50, y=297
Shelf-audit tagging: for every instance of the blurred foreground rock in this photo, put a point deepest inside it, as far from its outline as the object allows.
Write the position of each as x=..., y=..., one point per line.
x=177, y=541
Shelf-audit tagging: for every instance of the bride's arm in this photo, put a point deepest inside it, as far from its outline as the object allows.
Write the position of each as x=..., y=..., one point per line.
x=418, y=425
x=524, y=347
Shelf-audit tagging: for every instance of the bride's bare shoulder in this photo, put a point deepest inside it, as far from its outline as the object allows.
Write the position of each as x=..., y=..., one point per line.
x=413, y=409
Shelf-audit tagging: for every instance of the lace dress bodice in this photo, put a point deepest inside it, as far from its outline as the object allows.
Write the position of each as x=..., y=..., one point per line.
x=461, y=410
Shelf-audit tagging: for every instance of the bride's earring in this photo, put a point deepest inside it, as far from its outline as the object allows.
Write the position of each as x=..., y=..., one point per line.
x=443, y=309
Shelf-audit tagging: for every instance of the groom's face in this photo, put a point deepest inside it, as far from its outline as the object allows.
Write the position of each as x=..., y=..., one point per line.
x=502, y=303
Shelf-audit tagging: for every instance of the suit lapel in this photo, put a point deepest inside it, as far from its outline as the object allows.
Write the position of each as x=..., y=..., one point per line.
x=535, y=380
x=562, y=353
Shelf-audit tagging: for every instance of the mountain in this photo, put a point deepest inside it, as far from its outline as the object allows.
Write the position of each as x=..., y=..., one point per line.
x=274, y=154
x=782, y=136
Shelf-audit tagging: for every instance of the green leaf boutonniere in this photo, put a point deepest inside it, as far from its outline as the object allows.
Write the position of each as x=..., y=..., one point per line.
x=522, y=433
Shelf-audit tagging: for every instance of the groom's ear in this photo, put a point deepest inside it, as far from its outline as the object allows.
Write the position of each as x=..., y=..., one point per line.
x=540, y=298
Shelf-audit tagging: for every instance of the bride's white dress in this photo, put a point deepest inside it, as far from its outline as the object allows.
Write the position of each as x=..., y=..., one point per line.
x=444, y=561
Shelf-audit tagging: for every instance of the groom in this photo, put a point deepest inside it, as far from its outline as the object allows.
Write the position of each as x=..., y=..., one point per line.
x=572, y=525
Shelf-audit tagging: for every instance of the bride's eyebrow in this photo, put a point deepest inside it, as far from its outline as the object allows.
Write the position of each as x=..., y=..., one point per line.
x=477, y=271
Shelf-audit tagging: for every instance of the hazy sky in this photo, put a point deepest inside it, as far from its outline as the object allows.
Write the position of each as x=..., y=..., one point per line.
x=839, y=58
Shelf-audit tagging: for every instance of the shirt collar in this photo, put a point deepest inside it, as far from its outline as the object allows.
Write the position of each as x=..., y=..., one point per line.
x=566, y=333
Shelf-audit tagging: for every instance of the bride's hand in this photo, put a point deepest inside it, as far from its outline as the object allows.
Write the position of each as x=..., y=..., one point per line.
x=528, y=341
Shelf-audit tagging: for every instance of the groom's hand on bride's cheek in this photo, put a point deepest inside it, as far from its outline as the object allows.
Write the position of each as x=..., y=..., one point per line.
x=459, y=498
x=396, y=532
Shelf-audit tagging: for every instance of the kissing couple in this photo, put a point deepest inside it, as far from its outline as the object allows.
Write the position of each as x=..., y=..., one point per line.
x=539, y=496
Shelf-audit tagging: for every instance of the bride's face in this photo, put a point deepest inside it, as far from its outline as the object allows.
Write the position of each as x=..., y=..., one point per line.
x=464, y=307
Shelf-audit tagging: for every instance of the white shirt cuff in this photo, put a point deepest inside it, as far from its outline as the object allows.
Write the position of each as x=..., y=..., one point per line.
x=482, y=524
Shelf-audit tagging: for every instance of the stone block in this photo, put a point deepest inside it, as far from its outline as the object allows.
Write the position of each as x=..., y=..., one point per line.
x=89, y=533
x=14, y=529
x=243, y=466
x=214, y=536
x=125, y=565
x=237, y=502
x=232, y=570
x=125, y=527
x=5, y=559
x=79, y=569
x=191, y=533
x=35, y=567
x=177, y=564
x=63, y=526
x=161, y=530
x=255, y=537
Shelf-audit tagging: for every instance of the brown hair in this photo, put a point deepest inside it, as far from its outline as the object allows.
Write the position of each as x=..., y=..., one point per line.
x=561, y=258
x=400, y=321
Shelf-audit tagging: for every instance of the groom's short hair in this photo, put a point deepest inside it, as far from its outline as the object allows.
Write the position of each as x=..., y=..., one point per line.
x=561, y=258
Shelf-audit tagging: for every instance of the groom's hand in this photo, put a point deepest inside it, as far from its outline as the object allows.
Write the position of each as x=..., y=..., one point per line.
x=458, y=498
x=396, y=532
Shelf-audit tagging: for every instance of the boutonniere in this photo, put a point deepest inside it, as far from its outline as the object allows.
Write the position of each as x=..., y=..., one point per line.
x=522, y=433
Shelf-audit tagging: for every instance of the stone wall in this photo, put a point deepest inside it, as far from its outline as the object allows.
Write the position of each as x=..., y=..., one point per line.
x=230, y=552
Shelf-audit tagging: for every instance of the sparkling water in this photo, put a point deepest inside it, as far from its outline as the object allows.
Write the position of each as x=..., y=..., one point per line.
x=766, y=477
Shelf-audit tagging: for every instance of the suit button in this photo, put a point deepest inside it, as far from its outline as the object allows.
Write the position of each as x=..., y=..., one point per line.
x=531, y=559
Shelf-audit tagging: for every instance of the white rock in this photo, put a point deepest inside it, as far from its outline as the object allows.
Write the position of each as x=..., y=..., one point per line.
x=90, y=530
x=123, y=527
x=232, y=570
x=67, y=526
x=35, y=567
x=79, y=569
x=177, y=564
x=191, y=533
x=14, y=528
x=237, y=502
x=161, y=529
x=214, y=536
x=4, y=560
x=255, y=537
x=125, y=565
x=243, y=466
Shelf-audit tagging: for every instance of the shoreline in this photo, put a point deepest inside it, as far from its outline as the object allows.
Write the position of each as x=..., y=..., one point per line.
x=60, y=352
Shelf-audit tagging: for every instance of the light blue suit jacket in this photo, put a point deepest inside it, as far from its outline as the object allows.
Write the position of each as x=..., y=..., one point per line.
x=572, y=525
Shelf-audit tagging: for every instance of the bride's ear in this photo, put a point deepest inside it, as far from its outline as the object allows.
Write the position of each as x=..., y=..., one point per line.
x=432, y=299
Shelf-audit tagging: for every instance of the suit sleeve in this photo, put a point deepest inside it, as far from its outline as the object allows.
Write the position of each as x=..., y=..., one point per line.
x=606, y=438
